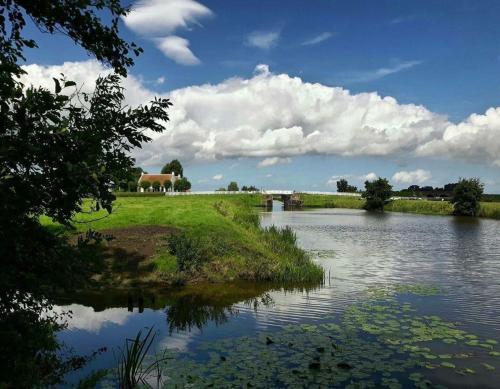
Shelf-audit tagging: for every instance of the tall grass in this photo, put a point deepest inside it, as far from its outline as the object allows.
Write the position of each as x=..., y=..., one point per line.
x=133, y=371
x=490, y=210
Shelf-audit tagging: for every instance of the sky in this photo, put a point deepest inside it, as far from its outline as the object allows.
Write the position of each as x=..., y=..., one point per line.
x=298, y=94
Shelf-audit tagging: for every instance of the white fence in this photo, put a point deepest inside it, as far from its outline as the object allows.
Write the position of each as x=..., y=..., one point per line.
x=263, y=192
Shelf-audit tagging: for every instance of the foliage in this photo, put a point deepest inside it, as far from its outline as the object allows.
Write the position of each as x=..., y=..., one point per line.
x=233, y=187
x=250, y=188
x=167, y=185
x=377, y=193
x=187, y=250
x=182, y=185
x=156, y=186
x=173, y=166
x=145, y=184
x=134, y=370
x=57, y=148
x=344, y=187
x=467, y=196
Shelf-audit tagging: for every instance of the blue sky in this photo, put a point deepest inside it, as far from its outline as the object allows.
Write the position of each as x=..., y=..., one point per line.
x=441, y=55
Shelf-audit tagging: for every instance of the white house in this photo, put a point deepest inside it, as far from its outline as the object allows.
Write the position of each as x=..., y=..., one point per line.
x=161, y=178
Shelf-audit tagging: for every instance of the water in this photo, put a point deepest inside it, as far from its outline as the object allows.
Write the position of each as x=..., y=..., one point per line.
x=358, y=250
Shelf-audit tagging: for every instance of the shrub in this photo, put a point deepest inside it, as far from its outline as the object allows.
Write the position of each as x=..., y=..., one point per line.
x=233, y=187
x=156, y=186
x=182, y=185
x=466, y=197
x=187, y=250
x=377, y=194
x=145, y=185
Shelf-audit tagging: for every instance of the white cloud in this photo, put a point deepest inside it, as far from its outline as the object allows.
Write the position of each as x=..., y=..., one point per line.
x=177, y=49
x=269, y=175
x=317, y=39
x=412, y=177
x=279, y=116
x=263, y=39
x=161, y=17
x=158, y=19
x=160, y=80
x=218, y=177
x=376, y=74
x=368, y=177
x=274, y=161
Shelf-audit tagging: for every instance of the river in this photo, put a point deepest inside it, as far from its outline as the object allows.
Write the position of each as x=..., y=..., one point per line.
x=360, y=252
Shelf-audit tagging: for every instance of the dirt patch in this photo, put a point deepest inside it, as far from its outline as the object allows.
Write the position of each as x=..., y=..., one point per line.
x=142, y=241
x=125, y=259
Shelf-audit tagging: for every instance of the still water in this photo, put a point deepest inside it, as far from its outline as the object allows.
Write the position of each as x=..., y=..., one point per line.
x=358, y=251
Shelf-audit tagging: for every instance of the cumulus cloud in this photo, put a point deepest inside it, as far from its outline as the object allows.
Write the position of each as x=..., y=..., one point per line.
x=279, y=116
x=218, y=177
x=368, y=177
x=273, y=161
x=412, y=177
x=158, y=19
x=263, y=39
x=332, y=181
x=317, y=39
x=177, y=49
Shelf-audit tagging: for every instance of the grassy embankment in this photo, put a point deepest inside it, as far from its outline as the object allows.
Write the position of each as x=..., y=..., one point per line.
x=425, y=207
x=221, y=241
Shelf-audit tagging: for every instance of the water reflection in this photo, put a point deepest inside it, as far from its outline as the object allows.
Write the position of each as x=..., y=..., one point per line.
x=357, y=250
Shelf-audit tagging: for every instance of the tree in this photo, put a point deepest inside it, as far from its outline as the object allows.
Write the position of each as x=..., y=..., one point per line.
x=467, y=196
x=173, y=166
x=233, y=187
x=145, y=185
x=167, y=185
x=182, y=185
x=344, y=187
x=156, y=186
x=56, y=149
x=377, y=193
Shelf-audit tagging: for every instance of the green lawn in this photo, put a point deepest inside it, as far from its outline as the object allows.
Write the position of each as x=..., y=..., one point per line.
x=224, y=228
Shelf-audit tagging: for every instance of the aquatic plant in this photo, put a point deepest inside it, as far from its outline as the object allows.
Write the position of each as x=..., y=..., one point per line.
x=380, y=341
x=133, y=367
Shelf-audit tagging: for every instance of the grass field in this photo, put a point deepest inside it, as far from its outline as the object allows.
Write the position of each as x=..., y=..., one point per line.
x=425, y=207
x=225, y=234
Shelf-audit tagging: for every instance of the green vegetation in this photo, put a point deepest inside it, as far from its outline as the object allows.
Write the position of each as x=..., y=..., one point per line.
x=182, y=185
x=425, y=207
x=344, y=187
x=467, y=196
x=214, y=238
x=382, y=341
x=233, y=186
x=173, y=166
x=377, y=194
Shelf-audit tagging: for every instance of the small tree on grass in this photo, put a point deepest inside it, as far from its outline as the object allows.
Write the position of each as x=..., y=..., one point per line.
x=344, y=187
x=377, y=193
x=156, y=186
x=466, y=197
x=182, y=185
x=167, y=185
x=145, y=185
x=233, y=187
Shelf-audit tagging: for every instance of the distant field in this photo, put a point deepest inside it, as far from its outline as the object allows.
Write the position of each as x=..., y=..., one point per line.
x=489, y=209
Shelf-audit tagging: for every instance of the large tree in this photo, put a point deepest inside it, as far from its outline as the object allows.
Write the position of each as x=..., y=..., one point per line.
x=467, y=196
x=344, y=187
x=377, y=193
x=173, y=166
x=57, y=147
x=182, y=185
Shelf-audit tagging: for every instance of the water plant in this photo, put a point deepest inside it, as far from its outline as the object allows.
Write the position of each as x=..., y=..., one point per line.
x=380, y=341
x=134, y=368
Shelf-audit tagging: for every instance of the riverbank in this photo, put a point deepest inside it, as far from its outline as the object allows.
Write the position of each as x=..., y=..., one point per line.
x=189, y=239
x=489, y=210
